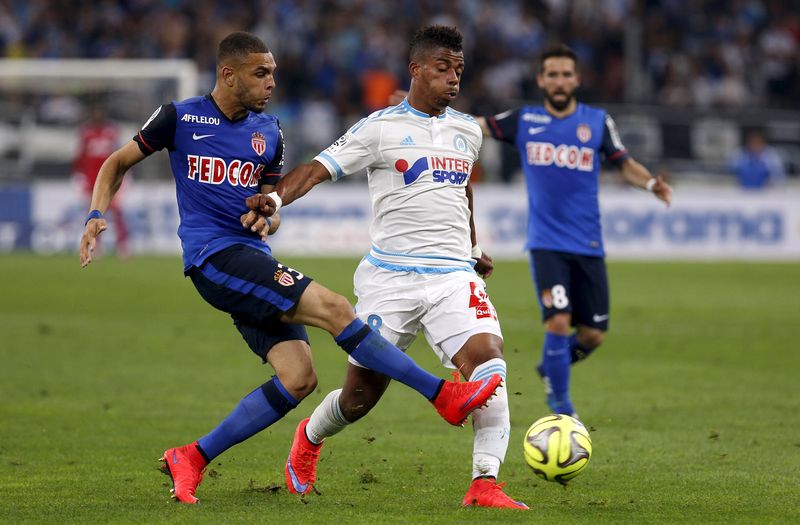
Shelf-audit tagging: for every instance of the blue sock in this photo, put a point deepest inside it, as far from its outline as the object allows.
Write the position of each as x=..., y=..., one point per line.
x=556, y=361
x=255, y=412
x=370, y=349
x=576, y=351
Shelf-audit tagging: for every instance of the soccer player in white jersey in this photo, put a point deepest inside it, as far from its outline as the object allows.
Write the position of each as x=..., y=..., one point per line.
x=420, y=274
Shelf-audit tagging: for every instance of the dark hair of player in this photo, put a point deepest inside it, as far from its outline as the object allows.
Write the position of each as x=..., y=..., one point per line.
x=557, y=51
x=431, y=38
x=239, y=45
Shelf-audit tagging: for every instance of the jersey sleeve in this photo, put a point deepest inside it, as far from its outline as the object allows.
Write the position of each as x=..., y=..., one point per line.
x=612, y=146
x=503, y=126
x=353, y=151
x=272, y=173
x=159, y=130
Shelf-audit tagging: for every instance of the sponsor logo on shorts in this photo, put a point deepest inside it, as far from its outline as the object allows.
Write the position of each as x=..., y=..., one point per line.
x=480, y=301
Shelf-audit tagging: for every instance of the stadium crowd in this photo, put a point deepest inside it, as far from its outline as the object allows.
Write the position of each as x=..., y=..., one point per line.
x=350, y=52
x=339, y=59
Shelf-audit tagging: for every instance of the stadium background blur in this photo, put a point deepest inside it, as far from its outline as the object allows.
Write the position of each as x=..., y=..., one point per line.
x=684, y=79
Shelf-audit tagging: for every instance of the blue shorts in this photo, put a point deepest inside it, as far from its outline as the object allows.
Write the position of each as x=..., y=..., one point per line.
x=255, y=289
x=570, y=283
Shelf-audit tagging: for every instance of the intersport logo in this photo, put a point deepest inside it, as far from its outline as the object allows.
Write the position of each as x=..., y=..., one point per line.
x=445, y=169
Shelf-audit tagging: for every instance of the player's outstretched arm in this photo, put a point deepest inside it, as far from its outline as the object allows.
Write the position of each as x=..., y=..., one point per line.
x=109, y=180
x=291, y=187
x=640, y=176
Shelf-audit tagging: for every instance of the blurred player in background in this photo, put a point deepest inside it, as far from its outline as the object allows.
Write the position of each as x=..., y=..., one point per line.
x=560, y=145
x=419, y=274
x=756, y=164
x=221, y=148
x=98, y=138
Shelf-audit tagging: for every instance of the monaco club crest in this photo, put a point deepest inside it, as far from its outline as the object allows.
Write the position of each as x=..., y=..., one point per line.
x=283, y=278
x=584, y=133
x=258, y=142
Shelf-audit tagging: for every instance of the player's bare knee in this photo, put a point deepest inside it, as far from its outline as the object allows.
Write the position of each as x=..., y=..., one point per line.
x=338, y=310
x=340, y=307
x=592, y=339
x=559, y=324
x=299, y=383
x=479, y=349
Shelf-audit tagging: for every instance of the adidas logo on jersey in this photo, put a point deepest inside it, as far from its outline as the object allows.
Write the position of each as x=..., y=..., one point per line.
x=408, y=141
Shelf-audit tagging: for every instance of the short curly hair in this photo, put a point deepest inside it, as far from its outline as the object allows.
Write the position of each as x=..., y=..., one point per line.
x=238, y=45
x=430, y=38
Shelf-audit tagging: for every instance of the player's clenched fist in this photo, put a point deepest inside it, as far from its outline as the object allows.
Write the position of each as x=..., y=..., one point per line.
x=262, y=203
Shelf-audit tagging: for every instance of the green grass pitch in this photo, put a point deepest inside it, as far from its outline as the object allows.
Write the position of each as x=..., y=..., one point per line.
x=693, y=403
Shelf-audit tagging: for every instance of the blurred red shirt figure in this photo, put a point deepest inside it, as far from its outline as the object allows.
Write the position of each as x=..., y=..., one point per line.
x=98, y=138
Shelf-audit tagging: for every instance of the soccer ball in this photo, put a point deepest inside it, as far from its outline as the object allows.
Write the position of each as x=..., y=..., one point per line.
x=557, y=447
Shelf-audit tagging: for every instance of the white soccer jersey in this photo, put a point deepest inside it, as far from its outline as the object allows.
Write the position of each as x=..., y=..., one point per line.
x=418, y=167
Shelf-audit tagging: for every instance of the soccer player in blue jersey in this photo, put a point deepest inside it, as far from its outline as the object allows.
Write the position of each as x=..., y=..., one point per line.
x=560, y=144
x=222, y=148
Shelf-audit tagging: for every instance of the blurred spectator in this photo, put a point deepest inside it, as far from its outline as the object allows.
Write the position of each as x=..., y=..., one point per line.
x=757, y=165
x=98, y=138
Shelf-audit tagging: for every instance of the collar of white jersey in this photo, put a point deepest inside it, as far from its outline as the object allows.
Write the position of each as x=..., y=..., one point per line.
x=419, y=113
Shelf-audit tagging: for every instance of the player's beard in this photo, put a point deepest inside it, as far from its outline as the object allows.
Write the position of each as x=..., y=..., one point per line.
x=442, y=103
x=254, y=108
x=559, y=105
x=247, y=101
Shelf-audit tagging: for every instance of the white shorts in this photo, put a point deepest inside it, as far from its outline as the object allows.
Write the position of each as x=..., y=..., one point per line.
x=449, y=308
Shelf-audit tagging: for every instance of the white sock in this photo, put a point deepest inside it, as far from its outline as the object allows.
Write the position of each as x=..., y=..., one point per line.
x=492, y=425
x=327, y=419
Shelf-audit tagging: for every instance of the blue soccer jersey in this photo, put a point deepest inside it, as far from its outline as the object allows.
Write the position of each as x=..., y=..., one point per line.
x=561, y=161
x=217, y=163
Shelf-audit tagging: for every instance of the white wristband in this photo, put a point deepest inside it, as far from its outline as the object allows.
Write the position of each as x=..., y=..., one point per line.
x=275, y=197
x=476, y=252
x=650, y=184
